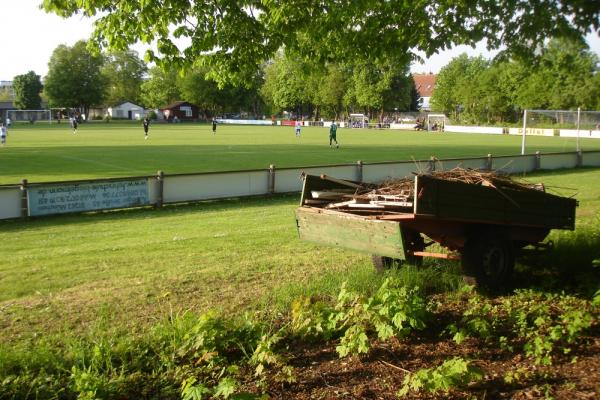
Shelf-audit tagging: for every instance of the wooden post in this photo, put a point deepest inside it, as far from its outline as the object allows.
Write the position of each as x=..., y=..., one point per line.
x=489, y=162
x=359, y=171
x=538, y=160
x=432, y=161
x=160, y=179
x=24, y=206
x=271, y=185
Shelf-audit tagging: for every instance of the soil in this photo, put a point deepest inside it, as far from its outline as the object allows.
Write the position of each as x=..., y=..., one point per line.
x=321, y=374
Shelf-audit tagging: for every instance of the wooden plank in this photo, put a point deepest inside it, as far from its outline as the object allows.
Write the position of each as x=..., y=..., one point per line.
x=341, y=204
x=329, y=195
x=365, y=205
x=316, y=202
x=393, y=203
x=445, y=256
x=339, y=181
x=394, y=217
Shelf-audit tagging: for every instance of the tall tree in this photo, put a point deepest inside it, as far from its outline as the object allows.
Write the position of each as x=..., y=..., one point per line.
x=124, y=73
x=329, y=90
x=74, y=77
x=454, y=86
x=233, y=37
x=285, y=84
x=27, y=89
x=379, y=86
x=161, y=88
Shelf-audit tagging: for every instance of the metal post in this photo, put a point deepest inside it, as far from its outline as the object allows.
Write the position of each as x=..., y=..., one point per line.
x=24, y=206
x=524, y=129
x=489, y=162
x=579, y=158
x=359, y=171
x=160, y=179
x=578, y=120
x=538, y=160
x=271, y=184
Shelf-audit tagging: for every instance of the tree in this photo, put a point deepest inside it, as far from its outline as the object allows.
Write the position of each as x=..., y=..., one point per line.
x=74, y=78
x=27, y=89
x=455, y=89
x=329, y=90
x=235, y=37
x=161, y=88
x=124, y=73
x=285, y=85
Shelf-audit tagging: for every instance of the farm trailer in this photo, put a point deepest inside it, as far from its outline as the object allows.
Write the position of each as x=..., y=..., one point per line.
x=485, y=226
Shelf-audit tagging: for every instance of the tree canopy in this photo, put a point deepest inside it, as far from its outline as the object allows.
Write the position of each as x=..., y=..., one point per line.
x=566, y=76
x=27, y=89
x=74, y=77
x=124, y=73
x=233, y=38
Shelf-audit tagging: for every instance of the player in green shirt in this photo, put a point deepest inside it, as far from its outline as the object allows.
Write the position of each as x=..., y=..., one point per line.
x=332, y=133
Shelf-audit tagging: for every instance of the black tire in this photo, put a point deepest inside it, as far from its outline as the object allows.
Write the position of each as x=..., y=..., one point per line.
x=383, y=263
x=490, y=260
x=414, y=242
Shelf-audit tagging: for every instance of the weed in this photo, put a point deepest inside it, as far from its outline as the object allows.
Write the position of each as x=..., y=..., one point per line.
x=453, y=373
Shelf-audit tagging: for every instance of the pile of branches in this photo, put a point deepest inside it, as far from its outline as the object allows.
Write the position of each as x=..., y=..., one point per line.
x=398, y=195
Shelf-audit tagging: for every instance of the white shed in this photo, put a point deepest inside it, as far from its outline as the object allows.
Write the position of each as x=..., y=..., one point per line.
x=126, y=110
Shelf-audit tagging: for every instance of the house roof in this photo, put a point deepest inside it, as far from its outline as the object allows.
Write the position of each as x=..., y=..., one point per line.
x=126, y=101
x=177, y=104
x=425, y=84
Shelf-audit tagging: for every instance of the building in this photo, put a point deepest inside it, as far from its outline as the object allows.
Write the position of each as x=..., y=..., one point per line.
x=126, y=110
x=425, y=85
x=183, y=110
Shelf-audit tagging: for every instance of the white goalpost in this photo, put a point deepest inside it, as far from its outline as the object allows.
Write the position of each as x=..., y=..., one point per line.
x=436, y=122
x=30, y=116
x=569, y=124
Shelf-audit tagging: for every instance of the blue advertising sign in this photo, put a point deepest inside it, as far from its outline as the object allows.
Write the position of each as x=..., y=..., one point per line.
x=59, y=199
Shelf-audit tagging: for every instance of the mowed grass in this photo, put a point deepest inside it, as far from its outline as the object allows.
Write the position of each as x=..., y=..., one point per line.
x=44, y=152
x=132, y=268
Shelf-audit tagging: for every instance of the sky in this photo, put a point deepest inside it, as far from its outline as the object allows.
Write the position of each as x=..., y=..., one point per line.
x=31, y=35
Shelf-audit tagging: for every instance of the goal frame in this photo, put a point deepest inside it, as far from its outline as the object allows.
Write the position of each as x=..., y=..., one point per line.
x=12, y=114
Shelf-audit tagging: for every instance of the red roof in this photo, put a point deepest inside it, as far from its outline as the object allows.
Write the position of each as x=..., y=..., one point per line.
x=425, y=84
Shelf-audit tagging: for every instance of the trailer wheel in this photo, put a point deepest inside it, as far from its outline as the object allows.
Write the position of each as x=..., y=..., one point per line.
x=414, y=242
x=490, y=260
x=383, y=263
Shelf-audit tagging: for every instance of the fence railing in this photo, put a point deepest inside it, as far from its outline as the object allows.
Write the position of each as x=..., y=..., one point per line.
x=49, y=198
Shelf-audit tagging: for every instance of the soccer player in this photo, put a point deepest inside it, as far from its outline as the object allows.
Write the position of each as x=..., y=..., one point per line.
x=74, y=124
x=214, y=125
x=2, y=134
x=146, y=124
x=298, y=128
x=332, y=134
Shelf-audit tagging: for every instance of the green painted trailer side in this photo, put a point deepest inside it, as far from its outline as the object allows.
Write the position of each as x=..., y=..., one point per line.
x=458, y=201
x=351, y=232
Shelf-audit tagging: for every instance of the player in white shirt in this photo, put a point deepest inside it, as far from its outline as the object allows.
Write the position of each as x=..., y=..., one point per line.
x=298, y=127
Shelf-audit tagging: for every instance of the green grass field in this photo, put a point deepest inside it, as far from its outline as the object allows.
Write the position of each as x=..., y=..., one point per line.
x=61, y=274
x=43, y=152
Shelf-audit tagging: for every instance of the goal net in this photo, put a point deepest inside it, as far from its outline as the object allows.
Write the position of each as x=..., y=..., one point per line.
x=436, y=122
x=575, y=128
x=29, y=116
x=358, y=121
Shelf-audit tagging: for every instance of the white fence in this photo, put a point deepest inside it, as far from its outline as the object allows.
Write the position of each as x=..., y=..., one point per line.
x=36, y=199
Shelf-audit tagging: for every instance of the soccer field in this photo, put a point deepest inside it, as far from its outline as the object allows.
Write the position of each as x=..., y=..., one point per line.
x=43, y=152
